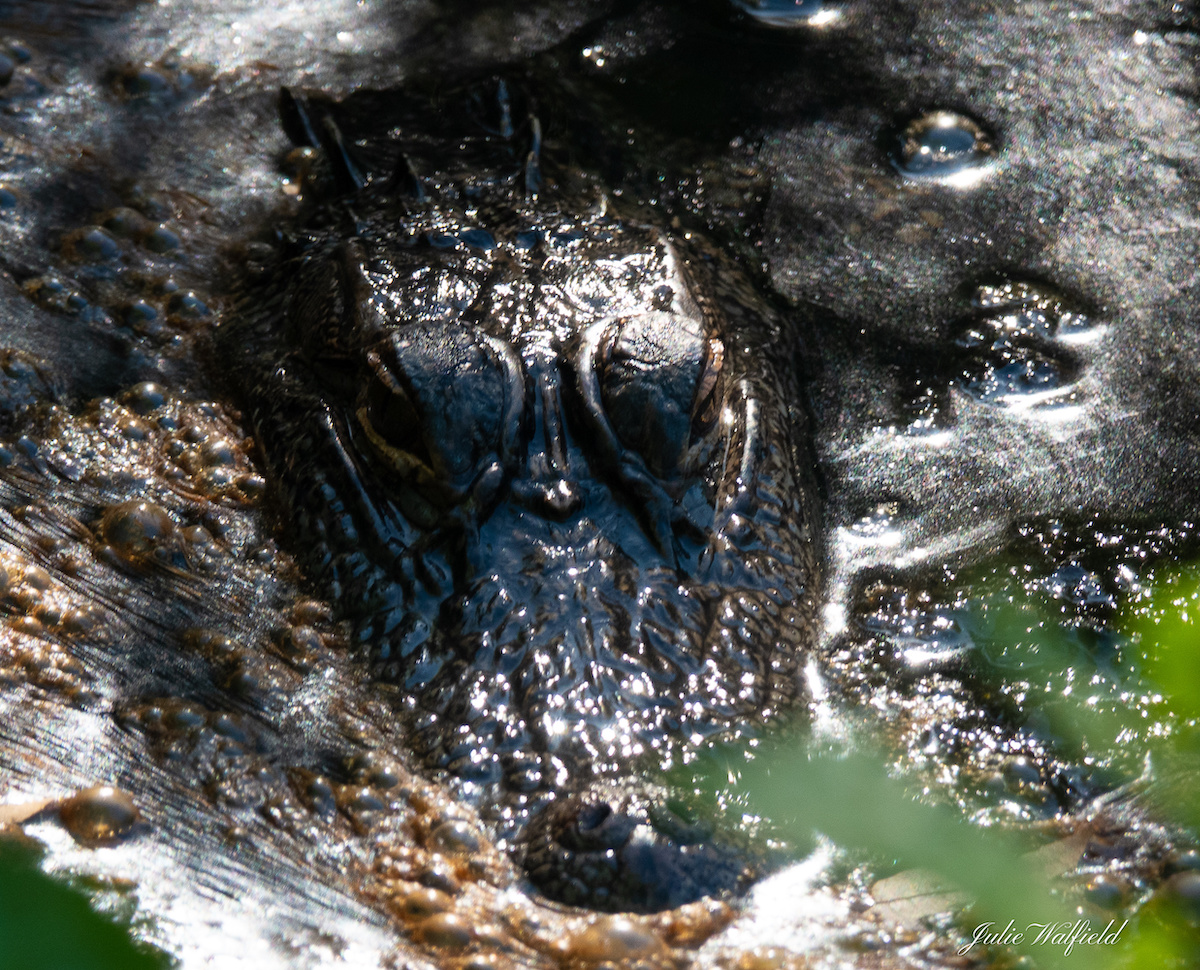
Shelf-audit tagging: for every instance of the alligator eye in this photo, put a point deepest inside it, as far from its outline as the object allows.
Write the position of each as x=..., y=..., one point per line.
x=707, y=406
x=441, y=403
x=660, y=384
x=392, y=423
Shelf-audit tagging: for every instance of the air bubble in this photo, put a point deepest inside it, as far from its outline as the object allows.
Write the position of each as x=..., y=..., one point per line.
x=186, y=717
x=99, y=815
x=91, y=245
x=133, y=428
x=217, y=452
x=300, y=646
x=786, y=13
x=160, y=239
x=1017, y=345
x=378, y=770
x=143, y=318
x=251, y=487
x=225, y=726
x=80, y=620
x=139, y=531
x=446, y=931
x=187, y=306
x=943, y=146
x=124, y=221
x=455, y=837
x=51, y=293
x=317, y=792
x=37, y=578
x=1014, y=373
x=146, y=397
x=613, y=938
x=441, y=878
x=212, y=643
x=360, y=800
x=1107, y=891
x=311, y=612
x=878, y=522
x=145, y=81
x=215, y=479
x=422, y=903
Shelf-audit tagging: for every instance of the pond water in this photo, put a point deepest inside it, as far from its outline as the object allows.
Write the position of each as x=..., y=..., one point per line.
x=982, y=220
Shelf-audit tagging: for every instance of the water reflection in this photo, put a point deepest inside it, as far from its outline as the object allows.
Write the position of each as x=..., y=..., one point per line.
x=788, y=13
x=944, y=146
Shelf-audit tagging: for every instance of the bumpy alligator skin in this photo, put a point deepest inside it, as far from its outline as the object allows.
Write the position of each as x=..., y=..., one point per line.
x=553, y=464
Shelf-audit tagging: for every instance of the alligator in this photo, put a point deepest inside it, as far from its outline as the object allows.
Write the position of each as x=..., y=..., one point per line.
x=276, y=645
x=554, y=462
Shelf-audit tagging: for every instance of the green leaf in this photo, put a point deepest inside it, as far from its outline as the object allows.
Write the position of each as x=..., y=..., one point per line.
x=46, y=925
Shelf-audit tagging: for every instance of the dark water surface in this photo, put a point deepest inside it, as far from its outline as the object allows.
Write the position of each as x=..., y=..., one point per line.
x=983, y=216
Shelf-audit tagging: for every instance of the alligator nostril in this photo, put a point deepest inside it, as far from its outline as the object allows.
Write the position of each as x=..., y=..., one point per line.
x=555, y=500
x=593, y=816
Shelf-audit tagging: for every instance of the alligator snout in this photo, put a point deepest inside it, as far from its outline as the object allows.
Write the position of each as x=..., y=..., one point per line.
x=551, y=464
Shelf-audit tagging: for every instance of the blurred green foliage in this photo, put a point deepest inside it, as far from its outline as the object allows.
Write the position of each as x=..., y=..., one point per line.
x=46, y=925
x=1142, y=709
x=1124, y=709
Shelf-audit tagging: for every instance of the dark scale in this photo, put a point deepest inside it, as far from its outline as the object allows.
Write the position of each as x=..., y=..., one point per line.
x=554, y=465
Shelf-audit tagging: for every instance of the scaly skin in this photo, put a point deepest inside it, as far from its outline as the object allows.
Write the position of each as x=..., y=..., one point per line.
x=553, y=465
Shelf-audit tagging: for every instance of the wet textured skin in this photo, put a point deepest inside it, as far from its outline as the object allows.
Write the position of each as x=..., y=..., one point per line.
x=837, y=227
x=554, y=466
x=167, y=631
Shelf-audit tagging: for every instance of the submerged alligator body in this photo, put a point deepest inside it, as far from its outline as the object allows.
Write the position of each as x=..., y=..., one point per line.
x=555, y=464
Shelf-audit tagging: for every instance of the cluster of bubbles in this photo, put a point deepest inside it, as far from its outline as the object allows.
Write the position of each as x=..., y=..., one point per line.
x=1018, y=345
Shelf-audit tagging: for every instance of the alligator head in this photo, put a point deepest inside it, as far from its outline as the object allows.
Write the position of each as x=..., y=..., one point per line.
x=554, y=464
